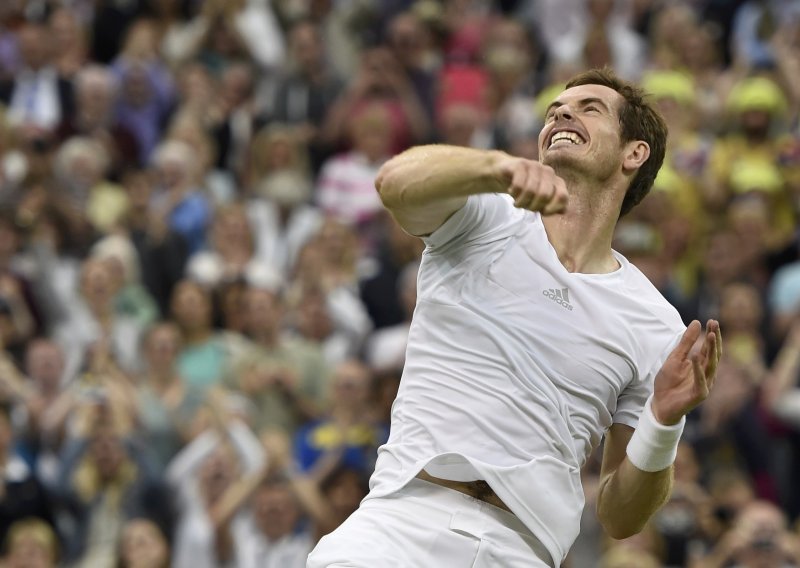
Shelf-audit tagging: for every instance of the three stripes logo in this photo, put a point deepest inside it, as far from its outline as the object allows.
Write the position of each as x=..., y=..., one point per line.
x=560, y=297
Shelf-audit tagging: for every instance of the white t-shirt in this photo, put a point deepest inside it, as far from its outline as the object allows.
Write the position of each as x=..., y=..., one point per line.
x=516, y=367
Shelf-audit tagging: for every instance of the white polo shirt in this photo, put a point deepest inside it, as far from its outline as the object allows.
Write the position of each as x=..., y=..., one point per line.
x=516, y=367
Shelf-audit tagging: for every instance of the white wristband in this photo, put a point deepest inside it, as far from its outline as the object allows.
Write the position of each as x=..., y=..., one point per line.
x=653, y=445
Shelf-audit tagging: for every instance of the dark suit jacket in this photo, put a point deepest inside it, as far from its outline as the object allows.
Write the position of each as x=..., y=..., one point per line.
x=66, y=95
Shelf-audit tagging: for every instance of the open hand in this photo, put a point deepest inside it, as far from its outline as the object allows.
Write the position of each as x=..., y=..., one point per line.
x=688, y=374
x=534, y=186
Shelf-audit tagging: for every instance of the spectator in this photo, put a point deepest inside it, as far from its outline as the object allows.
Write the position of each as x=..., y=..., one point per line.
x=222, y=22
x=82, y=166
x=753, y=26
x=96, y=94
x=336, y=322
x=381, y=80
x=281, y=217
x=203, y=362
x=106, y=478
x=759, y=537
x=70, y=46
x=721, y=264
x=146, y=89
x=742, y=310
x=22, y=496
x=731, y=430
x=234, y=126
x=276, y=148
x=324, y=302
x=232, y=252
x=410, y=42
x=343, y=488
x=285, y=377
x=512, y=58
x=31, y=543
x=208, y=531
x=166, y=405
x=131, y=299
x=603, y=30
x=143, y=545
x=275, y=538
x=676, y=95
x=41, y=414
x=162, y=251
x=345, y=436
x=280, y=186
x=346, y=189
x=37, y=98
x=178, y=199
x=94, y=321
x=756, y=105
x=310, y=81
x=51, y=260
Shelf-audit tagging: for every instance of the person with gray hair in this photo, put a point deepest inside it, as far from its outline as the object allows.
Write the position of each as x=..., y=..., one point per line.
x=181, y=203
x=81, y=168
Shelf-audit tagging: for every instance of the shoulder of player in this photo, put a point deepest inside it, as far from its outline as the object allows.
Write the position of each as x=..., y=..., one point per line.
x=645, y=294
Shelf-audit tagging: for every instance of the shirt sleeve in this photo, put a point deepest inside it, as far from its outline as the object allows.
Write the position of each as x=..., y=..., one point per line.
x=484, y=217
x=631, y=402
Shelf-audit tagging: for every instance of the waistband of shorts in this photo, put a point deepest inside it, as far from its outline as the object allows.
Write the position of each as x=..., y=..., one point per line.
x=448, y=500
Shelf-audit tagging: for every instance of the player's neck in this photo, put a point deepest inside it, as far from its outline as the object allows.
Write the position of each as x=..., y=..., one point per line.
x=582, y=235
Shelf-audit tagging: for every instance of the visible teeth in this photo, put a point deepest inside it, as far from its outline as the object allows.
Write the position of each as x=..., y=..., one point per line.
x=566, y=136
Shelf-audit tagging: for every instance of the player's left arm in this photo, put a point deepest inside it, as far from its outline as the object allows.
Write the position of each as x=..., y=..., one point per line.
x=636, y=473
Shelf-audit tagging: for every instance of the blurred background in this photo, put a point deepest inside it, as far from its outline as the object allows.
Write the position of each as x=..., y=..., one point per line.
x=204, y=308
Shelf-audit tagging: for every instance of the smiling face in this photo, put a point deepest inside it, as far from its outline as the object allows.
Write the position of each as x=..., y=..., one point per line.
x=582, y=132
x=143, y=545
x=617, y=141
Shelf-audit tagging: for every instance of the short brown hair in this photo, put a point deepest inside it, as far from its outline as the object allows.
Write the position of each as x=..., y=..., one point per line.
x=638, y=121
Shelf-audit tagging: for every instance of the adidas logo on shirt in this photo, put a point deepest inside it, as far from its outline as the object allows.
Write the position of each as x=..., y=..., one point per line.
x=560, y=297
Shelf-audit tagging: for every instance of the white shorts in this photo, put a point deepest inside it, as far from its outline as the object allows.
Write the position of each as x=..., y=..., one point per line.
x=425, y=525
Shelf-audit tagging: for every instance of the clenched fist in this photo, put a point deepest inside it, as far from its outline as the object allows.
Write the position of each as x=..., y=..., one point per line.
x=534, y=186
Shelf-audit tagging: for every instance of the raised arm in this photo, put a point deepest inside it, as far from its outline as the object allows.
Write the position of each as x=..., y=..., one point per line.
x=425, y=185
x=636, y=475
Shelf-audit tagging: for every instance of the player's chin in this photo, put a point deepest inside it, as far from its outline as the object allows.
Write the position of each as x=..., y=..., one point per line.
x=558, y=159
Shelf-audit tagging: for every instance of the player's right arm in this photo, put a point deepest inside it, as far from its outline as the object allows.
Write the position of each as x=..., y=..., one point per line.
x=425, y=185
x=636, y=478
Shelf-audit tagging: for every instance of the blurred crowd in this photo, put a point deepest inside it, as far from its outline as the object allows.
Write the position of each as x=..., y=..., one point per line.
x=204, y=308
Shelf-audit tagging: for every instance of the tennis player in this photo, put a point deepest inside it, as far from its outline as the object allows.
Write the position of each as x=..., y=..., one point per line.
x=531, y=341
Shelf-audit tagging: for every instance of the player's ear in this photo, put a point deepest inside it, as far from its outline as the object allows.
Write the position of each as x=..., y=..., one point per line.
x=636, y=154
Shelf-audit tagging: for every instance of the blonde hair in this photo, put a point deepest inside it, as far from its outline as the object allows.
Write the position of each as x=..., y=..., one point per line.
x=121, y=248
x=35, y=529
x=262, y=147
